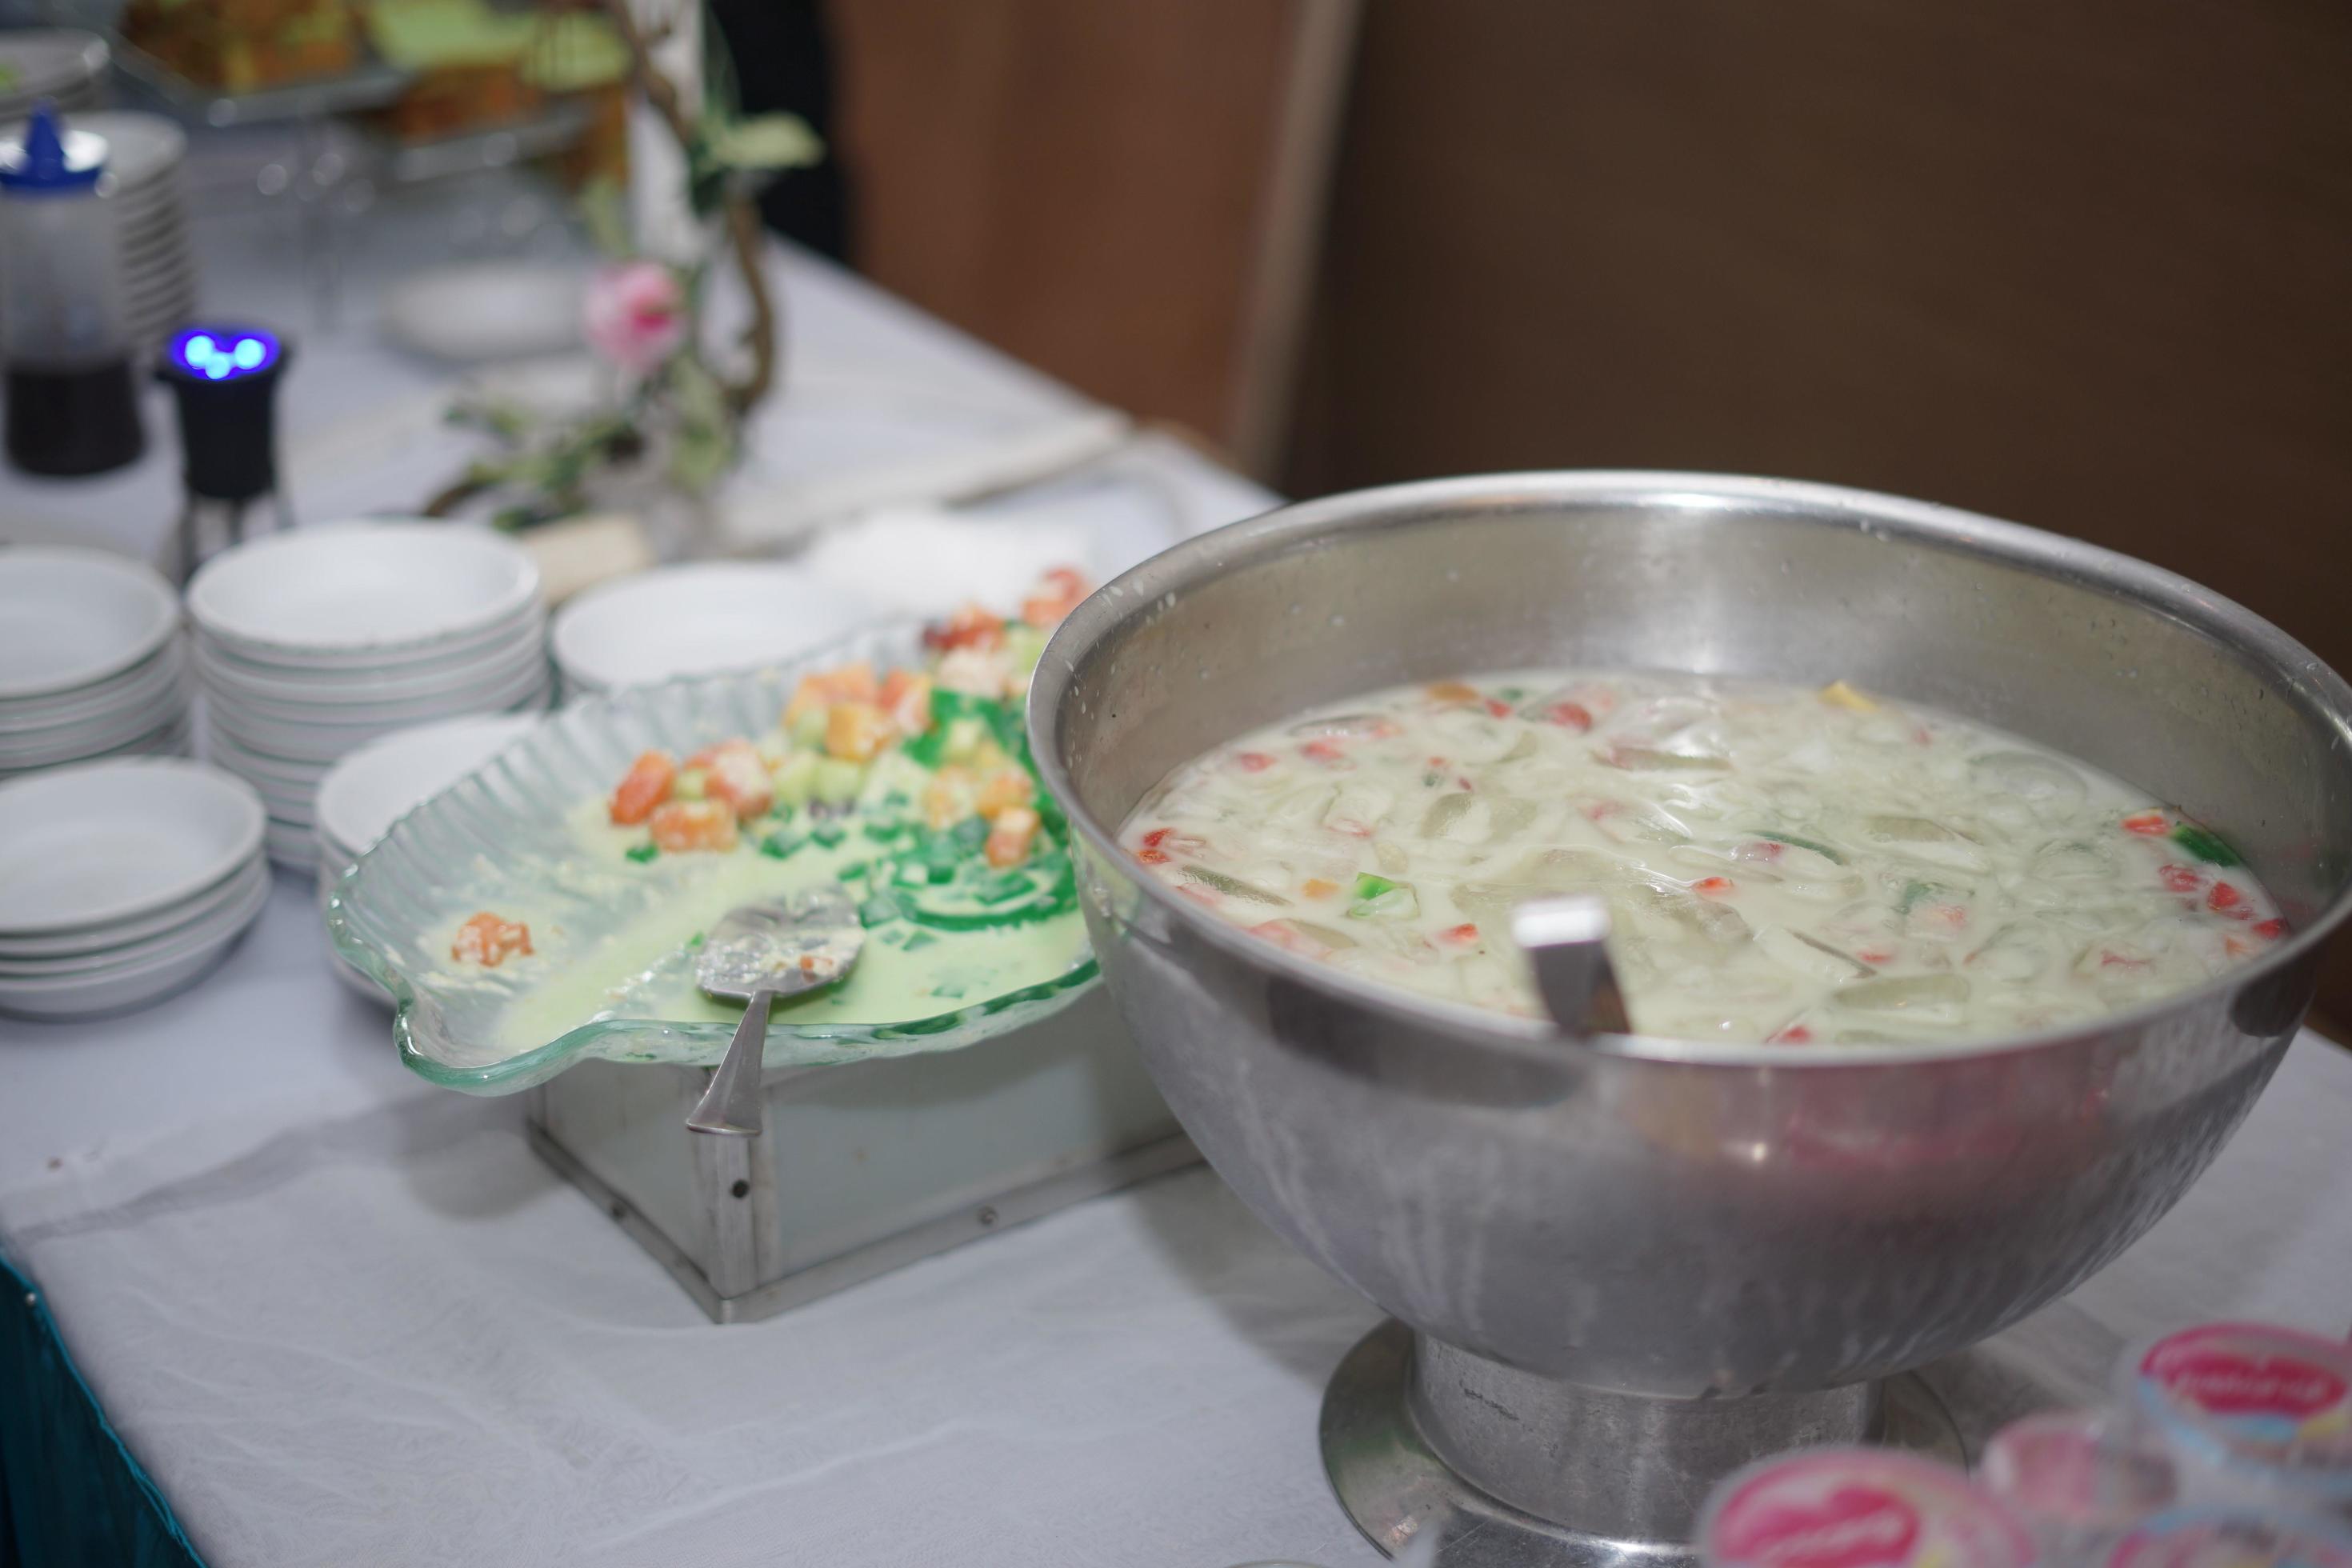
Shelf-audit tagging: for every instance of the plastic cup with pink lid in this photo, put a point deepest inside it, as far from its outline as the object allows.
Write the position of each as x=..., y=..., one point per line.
x=2252, y=1414
x=1857, y=1508
x=2078, y=1479
x=2233, y=1538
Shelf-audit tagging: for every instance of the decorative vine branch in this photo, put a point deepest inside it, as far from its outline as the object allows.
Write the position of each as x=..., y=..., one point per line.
x=743, y=218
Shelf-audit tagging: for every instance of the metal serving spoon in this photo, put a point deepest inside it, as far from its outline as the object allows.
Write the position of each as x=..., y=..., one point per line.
x=755, y=955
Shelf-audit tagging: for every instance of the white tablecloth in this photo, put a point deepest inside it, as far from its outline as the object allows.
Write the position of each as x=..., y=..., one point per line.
x=343, y=1317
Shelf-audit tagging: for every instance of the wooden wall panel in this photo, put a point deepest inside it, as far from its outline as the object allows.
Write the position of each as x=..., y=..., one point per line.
x=2087, y=266
x=1083, y=184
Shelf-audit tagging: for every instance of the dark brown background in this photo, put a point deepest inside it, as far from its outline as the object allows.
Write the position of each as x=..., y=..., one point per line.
x=2085, y=265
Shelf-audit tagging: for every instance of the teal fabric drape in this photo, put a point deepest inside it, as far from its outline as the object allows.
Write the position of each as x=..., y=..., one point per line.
x=71, y=1494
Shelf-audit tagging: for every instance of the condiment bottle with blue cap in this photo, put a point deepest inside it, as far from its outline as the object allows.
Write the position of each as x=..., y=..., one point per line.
x=72, y=408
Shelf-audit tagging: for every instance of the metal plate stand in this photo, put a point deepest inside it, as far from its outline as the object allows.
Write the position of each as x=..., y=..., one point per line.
x=1397, y=1489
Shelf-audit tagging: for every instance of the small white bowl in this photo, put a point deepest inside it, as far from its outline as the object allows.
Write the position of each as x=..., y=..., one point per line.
x=70, y=618
x=122, y=934
x=381, y=783
x=100, y=842
x=471, y=312
x=164, y=671
x=120, y=988
x=704, y=619
x=347, y=593
x=218, y=915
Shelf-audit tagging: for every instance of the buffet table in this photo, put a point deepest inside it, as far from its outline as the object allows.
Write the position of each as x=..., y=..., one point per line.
x=334, y=1315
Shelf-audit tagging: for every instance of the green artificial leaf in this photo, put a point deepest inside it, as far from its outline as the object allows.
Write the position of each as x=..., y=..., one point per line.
x=764, y=141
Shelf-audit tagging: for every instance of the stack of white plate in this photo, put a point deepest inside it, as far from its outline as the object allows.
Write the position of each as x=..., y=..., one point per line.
x=311, y=644
x=122, y=881
x=143, y=155
x=56, y=63
x=92, y=662
x=381, y=783
x=707, y=619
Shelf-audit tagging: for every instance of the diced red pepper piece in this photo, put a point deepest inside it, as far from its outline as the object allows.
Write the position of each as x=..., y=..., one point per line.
x=2110, y=958
x=2270, y=928
x=1575, y=716
x=2180, y=878
x=644, y=786
x=2147, y=824
x=1464, y=933
x=1497, y=708
x=1151, y=857
x=1875, y=955
x=1794, y=1034
x=1290, y=939
x=1711, y=886
x=489, y=941
x=1253, y=762
x=1325, y=750
x=1157, y=837
x=2223, y=897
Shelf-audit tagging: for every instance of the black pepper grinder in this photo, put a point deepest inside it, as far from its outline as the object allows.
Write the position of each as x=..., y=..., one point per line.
x=225, y=380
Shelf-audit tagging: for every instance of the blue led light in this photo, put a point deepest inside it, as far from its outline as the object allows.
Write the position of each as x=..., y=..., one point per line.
x=222, y=354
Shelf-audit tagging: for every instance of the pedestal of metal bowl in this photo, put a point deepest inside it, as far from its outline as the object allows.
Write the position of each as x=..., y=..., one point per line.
x=1630, y=1264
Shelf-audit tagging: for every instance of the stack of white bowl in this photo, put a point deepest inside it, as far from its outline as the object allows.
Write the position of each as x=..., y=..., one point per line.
x=708, y=618
x=122, y=881
x=311, y=644
x=92, y=662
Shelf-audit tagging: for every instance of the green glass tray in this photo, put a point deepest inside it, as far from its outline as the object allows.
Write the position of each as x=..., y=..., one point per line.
x=502, y=832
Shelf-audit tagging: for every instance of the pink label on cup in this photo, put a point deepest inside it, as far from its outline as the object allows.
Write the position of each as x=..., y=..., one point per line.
x=2230, y=1382
x=1854, y=1526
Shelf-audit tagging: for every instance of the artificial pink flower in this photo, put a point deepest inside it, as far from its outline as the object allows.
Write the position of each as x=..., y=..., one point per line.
x=634, y=314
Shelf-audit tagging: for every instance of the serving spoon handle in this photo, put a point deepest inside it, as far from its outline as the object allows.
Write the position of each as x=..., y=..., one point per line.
x=1567, y=941
x=730, y=1104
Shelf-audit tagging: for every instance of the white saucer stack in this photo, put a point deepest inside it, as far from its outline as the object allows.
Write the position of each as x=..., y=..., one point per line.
x=144, y=154
x=91, y=661
x=311, y=644
x=122, y=881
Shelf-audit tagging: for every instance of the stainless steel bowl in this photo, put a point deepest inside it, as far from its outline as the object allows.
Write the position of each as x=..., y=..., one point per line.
x=1716, y=1249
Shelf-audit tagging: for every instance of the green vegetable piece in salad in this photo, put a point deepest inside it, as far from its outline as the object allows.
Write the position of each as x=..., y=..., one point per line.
x=2206, y=846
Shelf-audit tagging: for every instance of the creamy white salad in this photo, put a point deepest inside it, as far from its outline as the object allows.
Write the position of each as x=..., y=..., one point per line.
x=1781, y=864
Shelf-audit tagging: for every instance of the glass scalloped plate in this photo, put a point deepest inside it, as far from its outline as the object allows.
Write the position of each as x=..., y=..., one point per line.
x=501, y=836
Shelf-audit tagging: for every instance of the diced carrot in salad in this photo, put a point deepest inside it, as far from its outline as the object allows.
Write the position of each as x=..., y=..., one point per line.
x=852, y=682
x=734, y=774
x=489, y=940
x=906, y=697
x=1005, y=789
x=681, y=826
x=1061, y=591
x=646, y=784
x=968, y=627
x=857, y=731
x=1010, y=836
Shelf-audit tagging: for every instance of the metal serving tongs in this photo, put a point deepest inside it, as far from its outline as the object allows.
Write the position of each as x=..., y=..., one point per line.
x=1567, y=941
x=754, y=955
